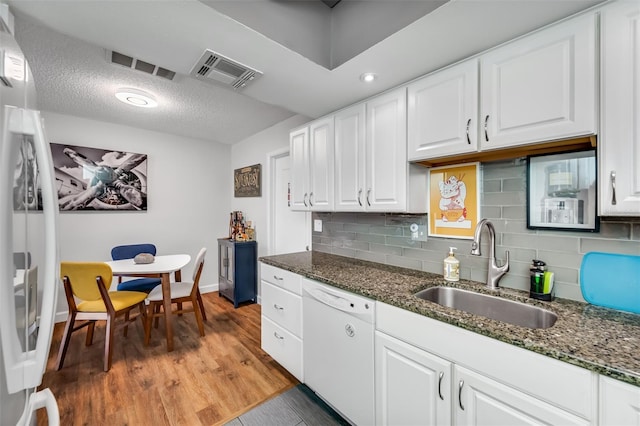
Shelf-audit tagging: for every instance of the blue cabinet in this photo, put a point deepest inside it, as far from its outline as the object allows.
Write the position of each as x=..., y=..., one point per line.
x=237, y=270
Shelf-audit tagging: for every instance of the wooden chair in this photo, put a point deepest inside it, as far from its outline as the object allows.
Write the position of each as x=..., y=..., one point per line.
x=87, y=282
x=185, y=291
x=129, y=252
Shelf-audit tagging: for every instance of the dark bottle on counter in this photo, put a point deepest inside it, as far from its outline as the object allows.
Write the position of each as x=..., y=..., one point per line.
x=536, y=273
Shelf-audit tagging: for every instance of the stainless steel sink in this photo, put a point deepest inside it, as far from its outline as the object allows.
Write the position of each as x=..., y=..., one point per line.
x=490, y=306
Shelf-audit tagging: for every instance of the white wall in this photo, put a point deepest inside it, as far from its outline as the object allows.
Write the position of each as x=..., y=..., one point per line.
x=254, y=150
x=189, y=193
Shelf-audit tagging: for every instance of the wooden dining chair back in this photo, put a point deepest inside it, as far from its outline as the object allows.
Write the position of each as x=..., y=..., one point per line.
x=130, y=251
x=85, y=286
x=185, y=291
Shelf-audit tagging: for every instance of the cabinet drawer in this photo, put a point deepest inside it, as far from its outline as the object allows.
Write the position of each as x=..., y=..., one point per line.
x=281, y=278
x=282, y=307
x=283, y=346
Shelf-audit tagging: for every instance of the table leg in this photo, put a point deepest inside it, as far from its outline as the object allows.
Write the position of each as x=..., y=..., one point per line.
x=166, y=298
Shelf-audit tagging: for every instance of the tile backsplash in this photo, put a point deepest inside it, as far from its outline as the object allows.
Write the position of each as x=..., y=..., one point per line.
x=386, y=238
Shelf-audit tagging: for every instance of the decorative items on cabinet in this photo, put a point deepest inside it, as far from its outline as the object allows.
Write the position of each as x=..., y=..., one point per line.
x=237, y=263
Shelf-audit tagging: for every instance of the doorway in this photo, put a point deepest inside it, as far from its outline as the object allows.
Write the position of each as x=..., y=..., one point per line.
x=290, y=231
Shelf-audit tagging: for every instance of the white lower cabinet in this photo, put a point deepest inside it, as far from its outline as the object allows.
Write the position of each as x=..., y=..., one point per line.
x=483, y=401
x=281, y=330
x=413, y=387
x=619, y=403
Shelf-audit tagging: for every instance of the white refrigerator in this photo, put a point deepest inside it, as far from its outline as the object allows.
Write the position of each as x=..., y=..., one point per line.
x=28, y=241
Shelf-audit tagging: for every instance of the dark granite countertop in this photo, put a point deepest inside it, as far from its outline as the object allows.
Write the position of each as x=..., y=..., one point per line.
x=602, y=340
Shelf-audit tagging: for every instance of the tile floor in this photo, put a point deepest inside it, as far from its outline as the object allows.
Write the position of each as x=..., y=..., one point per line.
x=298, y=406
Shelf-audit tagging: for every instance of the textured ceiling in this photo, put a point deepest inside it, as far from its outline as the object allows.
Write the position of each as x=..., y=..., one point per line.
x=65, y=40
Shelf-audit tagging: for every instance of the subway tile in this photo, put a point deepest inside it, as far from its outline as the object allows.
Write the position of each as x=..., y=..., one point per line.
x=610, y=246
x=337, y=243
x=615, y=230
x=517, y=282
x=514, y=212
x=341, y=235
x=559, y=258
x=635, y=231
x=565, y=274
x=404, y=262
x=370, y=218
x=330, y=227
x=403, y=242
x=433, y=267
x=386, y=230
x=514, y=184
x=371, y=238
x=557, y=242
x=504, y=169
x=519, y=240
x=357, y=245
x=356, y=227
x=340, y=251
x=381, y=248
x=518, y=254
x=344, y=217
x=491, y=212
x=370, y=256
x=416, y=254
x=405, y=220
x=492, y=186
x=504, y=199
x=322, y=248
x=316, y=239
x=568, y=291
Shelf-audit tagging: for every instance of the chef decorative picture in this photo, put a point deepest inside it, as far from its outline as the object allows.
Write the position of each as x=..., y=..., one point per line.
x=454, y=200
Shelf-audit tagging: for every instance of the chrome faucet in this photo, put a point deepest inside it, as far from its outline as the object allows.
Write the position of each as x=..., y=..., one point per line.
x=494, y=272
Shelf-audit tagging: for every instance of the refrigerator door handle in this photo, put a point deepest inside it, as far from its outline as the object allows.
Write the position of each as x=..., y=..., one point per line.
x=41, y=399
x=24, y=369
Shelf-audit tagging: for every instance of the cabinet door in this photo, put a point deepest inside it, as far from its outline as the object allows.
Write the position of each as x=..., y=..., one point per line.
x=350, y=159
x=299, y=154
x=443, y=113
x=541, y=87
x=619, y=145
x=386, y=152
x=320, y=169
x=482, y=401
x=619, y=403
x=413, y=387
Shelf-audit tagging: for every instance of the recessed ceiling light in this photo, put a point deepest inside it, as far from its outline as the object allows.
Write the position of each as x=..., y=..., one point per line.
x=368, y=77
x=137, y=98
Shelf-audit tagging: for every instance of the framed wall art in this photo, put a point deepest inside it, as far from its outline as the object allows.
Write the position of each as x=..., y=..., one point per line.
x=454, y=200
x=247, y=181
x=562, y=191
x=99, y=179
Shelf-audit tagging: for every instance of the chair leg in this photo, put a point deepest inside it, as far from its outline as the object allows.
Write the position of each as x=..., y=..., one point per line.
x=201, y=305
x=108, y=343
x=147, y=323
x=126, y=323
x=156, y=314
x=179, y=309
x=90, y=329
x=196, y=310
x=66, y=337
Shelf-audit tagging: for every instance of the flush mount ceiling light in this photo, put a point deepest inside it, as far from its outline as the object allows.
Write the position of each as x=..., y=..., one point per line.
x=137, y=98
x=368, y=77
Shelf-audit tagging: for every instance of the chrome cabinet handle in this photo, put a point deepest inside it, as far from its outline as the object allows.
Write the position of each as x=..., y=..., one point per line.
x=468, y=139
x=440, y=377
x=310, y=196
x=460, y=386
x=280, y=308
x=486, y=135
x=275, y=277
x=305, y=200
x=368, y=193
x=359, y=195
x=613, y=188
x=278, y=336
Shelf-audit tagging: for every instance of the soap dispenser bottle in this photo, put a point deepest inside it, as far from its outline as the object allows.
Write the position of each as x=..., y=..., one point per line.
x=451, y=266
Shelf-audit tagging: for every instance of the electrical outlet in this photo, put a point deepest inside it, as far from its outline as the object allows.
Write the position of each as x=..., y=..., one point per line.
x=317, y=225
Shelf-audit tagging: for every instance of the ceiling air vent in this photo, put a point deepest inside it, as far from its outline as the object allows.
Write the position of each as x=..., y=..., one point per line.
x=140, y=65
x=214, y=67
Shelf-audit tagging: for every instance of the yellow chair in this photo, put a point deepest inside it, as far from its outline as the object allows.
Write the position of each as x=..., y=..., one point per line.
x=87, y=282
x=187, y=291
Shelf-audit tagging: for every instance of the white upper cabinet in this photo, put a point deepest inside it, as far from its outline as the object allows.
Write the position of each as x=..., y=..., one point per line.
x=443, y=113
x=350, y=158
x=619, y=145
x=386, y=152
x=312, y=158
x=541, y=87
x=372, y=172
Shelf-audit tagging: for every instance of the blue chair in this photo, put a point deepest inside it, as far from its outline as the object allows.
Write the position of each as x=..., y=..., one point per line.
x=129, y=252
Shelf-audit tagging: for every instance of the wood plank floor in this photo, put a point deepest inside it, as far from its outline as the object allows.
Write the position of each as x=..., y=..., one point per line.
x=204, y=381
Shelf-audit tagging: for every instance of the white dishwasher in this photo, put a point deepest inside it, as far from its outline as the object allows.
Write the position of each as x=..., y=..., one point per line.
x=338, y=349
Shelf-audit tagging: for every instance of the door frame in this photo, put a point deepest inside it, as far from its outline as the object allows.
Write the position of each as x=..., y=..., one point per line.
x=270, y=172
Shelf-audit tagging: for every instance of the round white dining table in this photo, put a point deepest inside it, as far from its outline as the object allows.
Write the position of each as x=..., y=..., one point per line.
x=162, y=267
